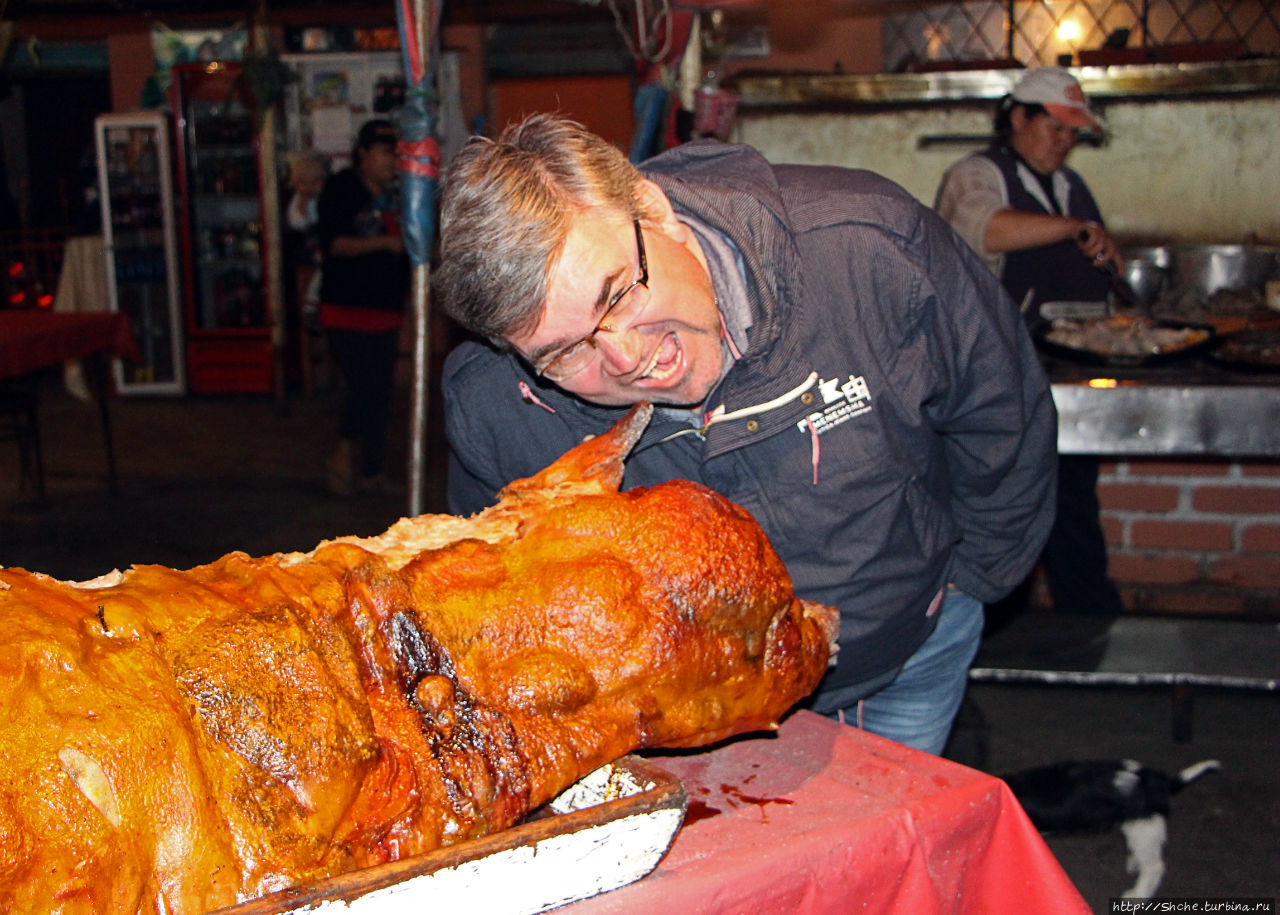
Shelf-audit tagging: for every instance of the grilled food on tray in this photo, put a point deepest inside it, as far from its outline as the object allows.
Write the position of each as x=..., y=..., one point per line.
x=1189, y=306
x=1122, y=336
x=175, y=741
x=1253, y=349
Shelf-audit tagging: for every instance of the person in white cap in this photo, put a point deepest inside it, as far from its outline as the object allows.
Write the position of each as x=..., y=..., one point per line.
x=1039, y=229
x=1018, y=205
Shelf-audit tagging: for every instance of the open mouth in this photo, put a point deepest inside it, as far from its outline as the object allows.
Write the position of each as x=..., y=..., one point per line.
x=665, y=361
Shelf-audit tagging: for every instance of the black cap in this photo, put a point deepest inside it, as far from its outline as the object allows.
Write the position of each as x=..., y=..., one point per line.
x=377, y=131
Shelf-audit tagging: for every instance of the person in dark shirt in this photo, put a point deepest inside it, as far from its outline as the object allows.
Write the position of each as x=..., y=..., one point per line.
x=363, y=290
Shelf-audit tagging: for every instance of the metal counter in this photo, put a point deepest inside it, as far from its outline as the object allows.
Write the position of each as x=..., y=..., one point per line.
x=828, y=90
x=1182, y=409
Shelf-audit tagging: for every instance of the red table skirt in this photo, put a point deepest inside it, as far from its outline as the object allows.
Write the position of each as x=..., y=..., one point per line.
x=827, y=818
x=32, y=339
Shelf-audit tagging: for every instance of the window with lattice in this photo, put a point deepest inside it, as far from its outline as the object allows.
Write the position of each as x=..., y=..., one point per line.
x=1033, y=32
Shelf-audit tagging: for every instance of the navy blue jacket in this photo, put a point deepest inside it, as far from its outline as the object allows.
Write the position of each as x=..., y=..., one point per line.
x=889, y=425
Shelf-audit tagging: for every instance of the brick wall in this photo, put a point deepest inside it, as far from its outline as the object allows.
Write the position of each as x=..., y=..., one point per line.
x=1196, y=537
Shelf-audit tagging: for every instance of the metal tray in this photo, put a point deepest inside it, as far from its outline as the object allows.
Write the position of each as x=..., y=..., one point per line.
x=1050, y=310
x=1124, y=360
x=607, y=830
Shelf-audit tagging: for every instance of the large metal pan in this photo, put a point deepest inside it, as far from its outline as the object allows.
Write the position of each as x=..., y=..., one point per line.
x=1205, y=269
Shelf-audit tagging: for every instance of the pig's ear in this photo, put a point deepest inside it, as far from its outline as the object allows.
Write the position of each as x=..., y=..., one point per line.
x=597, y=461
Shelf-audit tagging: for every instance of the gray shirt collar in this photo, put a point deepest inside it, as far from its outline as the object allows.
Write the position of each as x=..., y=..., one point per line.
x=729, y=284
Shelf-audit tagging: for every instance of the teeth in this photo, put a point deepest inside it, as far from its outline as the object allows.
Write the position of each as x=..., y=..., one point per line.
x=649, y=368
x=653, y=363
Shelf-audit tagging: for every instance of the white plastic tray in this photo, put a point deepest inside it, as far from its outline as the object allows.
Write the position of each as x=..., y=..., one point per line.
x=607, y=830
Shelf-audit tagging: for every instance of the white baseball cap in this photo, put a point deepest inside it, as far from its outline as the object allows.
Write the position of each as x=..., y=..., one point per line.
x=1060, y=93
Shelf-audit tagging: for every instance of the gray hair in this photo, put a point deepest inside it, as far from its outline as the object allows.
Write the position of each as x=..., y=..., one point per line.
x=505, y=211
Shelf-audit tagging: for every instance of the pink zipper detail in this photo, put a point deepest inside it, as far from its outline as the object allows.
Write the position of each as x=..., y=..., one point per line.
x=527, y=393
x=817, y=447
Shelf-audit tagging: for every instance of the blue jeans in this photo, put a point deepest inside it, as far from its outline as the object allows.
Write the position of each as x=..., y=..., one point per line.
x=918, y=706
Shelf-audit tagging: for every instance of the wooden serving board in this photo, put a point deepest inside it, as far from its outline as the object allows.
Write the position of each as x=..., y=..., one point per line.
x=607, y=830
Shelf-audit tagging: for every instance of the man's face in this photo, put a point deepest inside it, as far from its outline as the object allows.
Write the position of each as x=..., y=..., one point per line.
x=308, y=184
x=378, y=163
x=665, y=346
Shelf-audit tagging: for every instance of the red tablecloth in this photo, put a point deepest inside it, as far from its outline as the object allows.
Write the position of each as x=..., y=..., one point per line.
x=826, y=818
x=31, y=339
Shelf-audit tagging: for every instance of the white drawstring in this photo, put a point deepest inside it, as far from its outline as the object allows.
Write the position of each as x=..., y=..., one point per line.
x=720, y=417
x=840, y=716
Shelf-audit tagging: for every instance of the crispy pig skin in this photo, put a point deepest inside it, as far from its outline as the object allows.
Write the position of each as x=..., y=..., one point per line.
x=175, y=741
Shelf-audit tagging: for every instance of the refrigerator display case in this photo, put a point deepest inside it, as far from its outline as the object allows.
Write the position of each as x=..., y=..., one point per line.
x=140, y=250
x=228, y=320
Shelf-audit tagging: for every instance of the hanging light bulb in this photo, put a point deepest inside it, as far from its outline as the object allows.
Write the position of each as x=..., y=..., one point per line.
x=1067, y=32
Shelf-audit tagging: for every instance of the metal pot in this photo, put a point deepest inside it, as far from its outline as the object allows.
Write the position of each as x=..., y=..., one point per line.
x=1204, y=269
x=1147, y=271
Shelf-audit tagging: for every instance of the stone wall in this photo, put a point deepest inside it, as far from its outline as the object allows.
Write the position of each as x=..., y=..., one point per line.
x=1171, y=170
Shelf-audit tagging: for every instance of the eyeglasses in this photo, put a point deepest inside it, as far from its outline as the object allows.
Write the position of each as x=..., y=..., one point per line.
x=574, y=358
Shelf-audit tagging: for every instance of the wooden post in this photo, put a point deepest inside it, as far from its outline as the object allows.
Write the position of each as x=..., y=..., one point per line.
x=421, y=301
x=269, y=237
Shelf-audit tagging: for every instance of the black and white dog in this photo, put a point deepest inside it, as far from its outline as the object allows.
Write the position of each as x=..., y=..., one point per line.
x=1075, y=796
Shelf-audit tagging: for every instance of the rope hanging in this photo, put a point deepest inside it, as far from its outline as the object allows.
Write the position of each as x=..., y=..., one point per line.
x=650, y=40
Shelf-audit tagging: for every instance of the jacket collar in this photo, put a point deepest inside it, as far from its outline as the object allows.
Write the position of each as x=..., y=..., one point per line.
x=734, y=192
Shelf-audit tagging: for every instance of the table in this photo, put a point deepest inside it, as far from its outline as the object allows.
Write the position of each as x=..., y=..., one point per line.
x=827, y=818
x=31, y=340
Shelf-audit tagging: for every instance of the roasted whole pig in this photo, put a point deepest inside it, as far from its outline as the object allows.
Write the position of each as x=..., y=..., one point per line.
x=175, y=741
